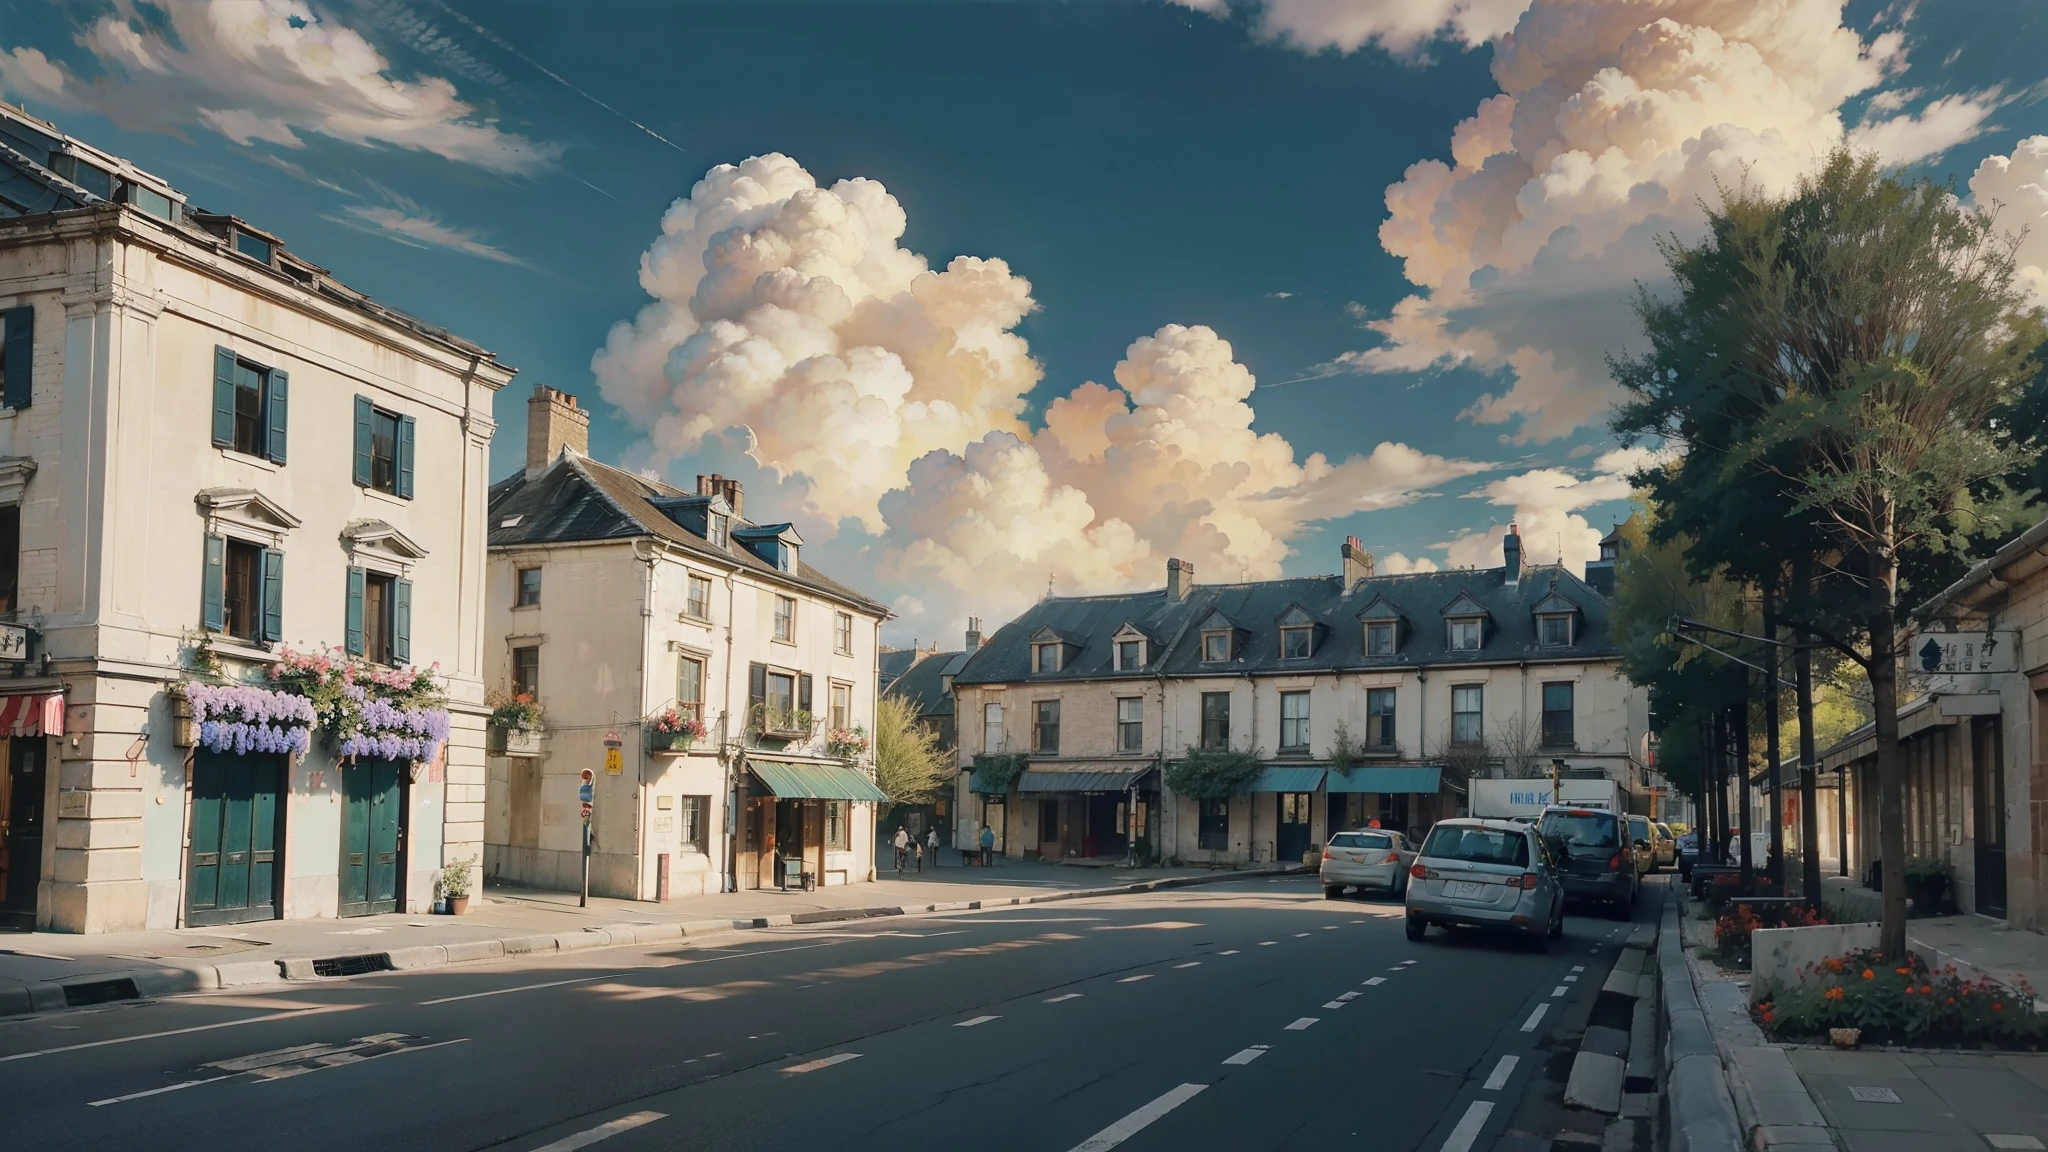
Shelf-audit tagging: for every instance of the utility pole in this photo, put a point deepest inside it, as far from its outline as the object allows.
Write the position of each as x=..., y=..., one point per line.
x=1772, y=692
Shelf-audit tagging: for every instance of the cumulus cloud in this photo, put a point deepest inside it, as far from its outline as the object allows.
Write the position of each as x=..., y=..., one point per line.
x=262, y=72
x=1614, y=122
x=1396, y=564
x=889, y=396
x=1547, y=504
x=1398, y=26
x=2016, y=188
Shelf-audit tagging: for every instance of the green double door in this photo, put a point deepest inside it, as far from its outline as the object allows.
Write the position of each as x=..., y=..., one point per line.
x=373, y=836
x=232, y=873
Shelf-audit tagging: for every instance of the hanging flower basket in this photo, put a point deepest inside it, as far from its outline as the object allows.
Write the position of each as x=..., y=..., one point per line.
x=847, y=743
x=245, y=718
x=670, y=730
x=366, y=710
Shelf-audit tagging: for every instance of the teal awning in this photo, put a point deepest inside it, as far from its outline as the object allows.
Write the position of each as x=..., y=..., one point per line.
x=1115, y=780
x=1287, y=780
x=1424, y=779
x=976, y=783
x=793, y=781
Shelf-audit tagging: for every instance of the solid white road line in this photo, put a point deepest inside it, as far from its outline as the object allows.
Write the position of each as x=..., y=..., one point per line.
x=975, y=1021
x=1535, y=1018
x=1068, y=996
x=1190, y=964
x=1466, y=1133
x=827, y=1062
x=321, y=1011
x=1558, y=991
x=1376, y=980
x=602, y=1132
x=1336, y=1004
x=1136, y=1122
x=1501, y=1072
x=153, y=1091
x=1248, y=1055
x=1303, y=1024
x=1135, y=979
x=528, y=988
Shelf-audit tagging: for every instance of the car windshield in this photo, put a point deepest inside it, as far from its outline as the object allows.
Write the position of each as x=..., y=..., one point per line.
x=1581, y=829
x=1361, y=840
x=1638, y=828
x=1478, y=845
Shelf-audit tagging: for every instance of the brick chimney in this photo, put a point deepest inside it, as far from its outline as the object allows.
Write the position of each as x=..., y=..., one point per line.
x=1357, y=563
x=553, y=423
x=974, y=633
x=1511, y=553
x=716, y=485
x=1180, y=579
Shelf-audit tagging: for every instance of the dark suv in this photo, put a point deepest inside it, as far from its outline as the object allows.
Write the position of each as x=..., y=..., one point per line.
x=1594, y=855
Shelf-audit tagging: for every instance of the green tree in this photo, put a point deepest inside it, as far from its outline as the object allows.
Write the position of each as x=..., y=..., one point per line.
x=909, y=765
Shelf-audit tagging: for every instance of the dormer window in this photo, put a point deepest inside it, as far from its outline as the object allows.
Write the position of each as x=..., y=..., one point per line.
x=1555, y=631
x=1295, y=642
x=785, y=557
x=1215, y=647
x=1379, y=638
x=1466, y=620
x=1465, y=634
x=1045, y=658
x=1130, y=655
x=716, y=535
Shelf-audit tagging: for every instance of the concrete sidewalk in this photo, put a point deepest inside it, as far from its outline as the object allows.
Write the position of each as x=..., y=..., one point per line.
x=1928, y=1101
x=1979, y=946
x=44, y=970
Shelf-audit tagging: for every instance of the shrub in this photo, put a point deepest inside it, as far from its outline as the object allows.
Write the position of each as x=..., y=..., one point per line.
x=1894, y=1003
x=1212, y=773
x=1733, y=930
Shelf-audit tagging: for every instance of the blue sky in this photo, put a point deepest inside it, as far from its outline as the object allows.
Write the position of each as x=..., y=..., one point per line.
x=1219, y=165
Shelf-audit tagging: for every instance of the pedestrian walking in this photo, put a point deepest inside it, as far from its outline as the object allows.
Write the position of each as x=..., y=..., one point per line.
x=931, y=838
x=902, y=845
x=988, y=845
x=918, y=847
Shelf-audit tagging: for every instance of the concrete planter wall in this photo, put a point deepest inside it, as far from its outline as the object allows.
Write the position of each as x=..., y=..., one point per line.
x=1777, y=955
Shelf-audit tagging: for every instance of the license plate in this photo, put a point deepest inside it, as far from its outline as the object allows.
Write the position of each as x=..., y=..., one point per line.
x=1466, y=889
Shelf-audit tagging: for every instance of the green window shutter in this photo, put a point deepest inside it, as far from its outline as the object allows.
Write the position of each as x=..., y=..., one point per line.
x=365, y=416
x=352, y=630
x=273, y=595
x=212, y=615
x=803, y=691
x=757, y=685
x=274, y=406
x=404, y=461
x=401, y=621
x=223, y=397
x=20, y=348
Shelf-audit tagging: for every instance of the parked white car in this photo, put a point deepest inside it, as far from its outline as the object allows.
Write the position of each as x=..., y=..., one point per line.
x=1368, y=858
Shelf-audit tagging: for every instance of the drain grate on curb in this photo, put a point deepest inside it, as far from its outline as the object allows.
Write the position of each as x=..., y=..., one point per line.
x=98, y=991
x=1870, y=1095
x=352, y=965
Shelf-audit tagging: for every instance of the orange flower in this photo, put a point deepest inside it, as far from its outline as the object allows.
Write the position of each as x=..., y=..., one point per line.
x=1909, y=989
x=1927, y=989
x=1836, y=994
x=1903, y=971
x=1997, y=1007
x=1951, y=1000
x=1869, y=975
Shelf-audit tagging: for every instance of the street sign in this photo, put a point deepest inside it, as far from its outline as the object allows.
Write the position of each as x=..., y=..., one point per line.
x=584, y=792
x=1963, y=653
x=586, y=811
x=585, y=776
x=13, y=642
x=613, y=762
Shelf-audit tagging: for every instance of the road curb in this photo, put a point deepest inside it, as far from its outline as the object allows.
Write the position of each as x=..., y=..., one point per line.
x=1700, y=1104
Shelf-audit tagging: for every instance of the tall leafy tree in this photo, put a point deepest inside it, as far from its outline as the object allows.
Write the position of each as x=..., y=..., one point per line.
x=909, y=765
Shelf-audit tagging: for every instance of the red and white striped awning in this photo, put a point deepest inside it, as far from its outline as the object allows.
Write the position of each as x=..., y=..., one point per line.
x=32, y=715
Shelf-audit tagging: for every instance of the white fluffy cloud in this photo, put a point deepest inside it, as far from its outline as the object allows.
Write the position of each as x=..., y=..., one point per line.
x=882, y=392
x=1397, y=564
x=1547, y=504
x=1399, y=26
x=1615, y=120
x=262, y=70
x=2016, y=187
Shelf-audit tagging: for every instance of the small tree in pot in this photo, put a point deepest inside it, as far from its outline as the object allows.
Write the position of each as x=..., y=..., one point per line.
x=455, y=880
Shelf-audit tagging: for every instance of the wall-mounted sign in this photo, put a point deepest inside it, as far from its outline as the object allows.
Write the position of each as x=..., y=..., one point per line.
x=13, y=642
x=1962, y=653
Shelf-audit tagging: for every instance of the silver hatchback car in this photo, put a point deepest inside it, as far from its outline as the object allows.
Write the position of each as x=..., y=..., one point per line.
x=1488, y=874
x=1366, y=858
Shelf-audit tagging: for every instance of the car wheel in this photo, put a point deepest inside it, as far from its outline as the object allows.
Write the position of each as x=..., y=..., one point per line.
x=1417, y=928
x=1330, y=893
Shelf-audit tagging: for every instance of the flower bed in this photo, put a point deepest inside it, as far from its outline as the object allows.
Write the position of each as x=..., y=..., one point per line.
x=1908, y=1003
x=245, y=718
x=367, y=710
x=1735, y=927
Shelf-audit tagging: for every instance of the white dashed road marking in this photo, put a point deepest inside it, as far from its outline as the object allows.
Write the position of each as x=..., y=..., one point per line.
x=1190, y=964
x=1299, y=935
x=1230, y=952
x=1558, y=991
x=1135, y=979
x=1336, y=1004
x=1136, y=1122
x=1267, y=943
x=1303, y=1024
x=826, y=1062
x=604, y=1131
x=1535, y=1018
x=1462, y=1137
x=1068, y=996
x=975, y=1021
x=1501, y=1072
x=1376, y=980
x=1248, y=1055
x=1348, y=996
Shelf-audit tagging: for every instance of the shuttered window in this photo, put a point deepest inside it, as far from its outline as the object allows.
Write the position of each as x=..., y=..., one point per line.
x=251, y=404
x=17, y=351
x=242, y=590
x=378, y=623
x=383, y=449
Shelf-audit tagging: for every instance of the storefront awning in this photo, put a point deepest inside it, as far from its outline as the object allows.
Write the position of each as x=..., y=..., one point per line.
x=1287, y=780
x=794, y=781
x=1041, y=781
x=1422, y=778
x=32, y=715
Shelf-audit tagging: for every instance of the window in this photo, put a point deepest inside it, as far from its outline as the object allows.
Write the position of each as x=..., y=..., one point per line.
x=1557, y=631
x=254, y=247
x=384, y=449
x=249, y=403
x=241, y=596
x=1465, y=635
x=835, y=825
x=1215, y=719
x=1379, y=717
x=785, y=619
x=1294, y=721
x=842, y=633
x=698, y=606
x=781, y=695
x=17, y=348
x=241, y=586
x=691, y=823
x=1130, y=655
x=690, y=687
x=1045, y=657
x=1465, y=702
x=378, y=610
x=526, y=671
x=1213, y=826
x=1294, y=643
x=1045, y=727
x=840, y=704
x=785, y=556
x=10, y=557
x=991, y=728
x=1557, y=715
x=715, y=530
x=529, y=587
x=1215, y=647
x=1130, y=724
x=1379, y=638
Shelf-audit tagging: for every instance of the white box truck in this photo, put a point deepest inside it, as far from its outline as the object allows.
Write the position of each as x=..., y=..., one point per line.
x=1505, y=799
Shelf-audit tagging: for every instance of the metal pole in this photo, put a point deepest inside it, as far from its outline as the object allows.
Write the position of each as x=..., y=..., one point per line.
x=1809, y=813
x=583, y=900
x=1775, y=754
x=1741, y=749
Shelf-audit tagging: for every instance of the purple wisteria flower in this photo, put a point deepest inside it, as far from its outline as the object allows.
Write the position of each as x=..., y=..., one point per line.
x=242, y=739
x=248, y=704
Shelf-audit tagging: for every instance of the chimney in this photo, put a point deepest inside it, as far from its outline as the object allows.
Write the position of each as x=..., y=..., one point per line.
x=1511, y=552
x=1180, y=578
x=553, y=423
x=716, y=485
x=974, y=633
x=1357, y=563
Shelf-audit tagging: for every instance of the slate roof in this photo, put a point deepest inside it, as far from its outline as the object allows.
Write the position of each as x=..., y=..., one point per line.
x=1256, y=608
x=895, y=662
x=577, y=499
x=923, y=684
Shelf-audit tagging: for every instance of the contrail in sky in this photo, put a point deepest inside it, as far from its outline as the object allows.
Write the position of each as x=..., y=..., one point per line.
x=500, y=41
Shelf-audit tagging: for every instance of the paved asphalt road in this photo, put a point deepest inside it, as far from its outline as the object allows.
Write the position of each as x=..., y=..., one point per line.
x=1250, y=1015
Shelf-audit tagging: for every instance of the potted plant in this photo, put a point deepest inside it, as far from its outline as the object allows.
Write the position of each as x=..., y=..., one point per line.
x=455, y=885
x=1927, y=881
x=515, y=721
x=671, y=730
x=847, y=743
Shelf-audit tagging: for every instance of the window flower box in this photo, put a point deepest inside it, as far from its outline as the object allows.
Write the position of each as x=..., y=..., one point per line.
x=671, y=730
